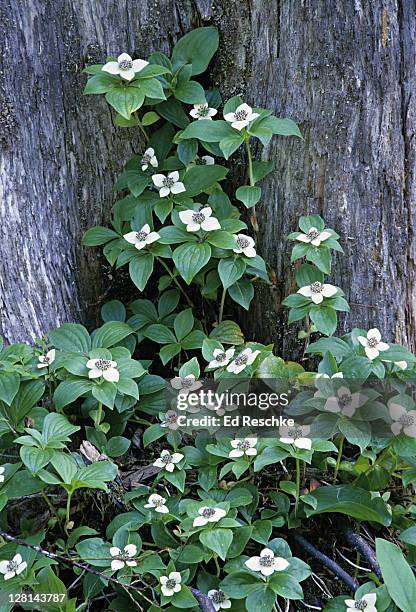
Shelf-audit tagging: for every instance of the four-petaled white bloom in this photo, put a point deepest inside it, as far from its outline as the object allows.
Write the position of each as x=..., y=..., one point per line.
x=205, y=160
x=103, y=367
x=12, y=568
x=219, y=599
x=158, y=503
x=149, y=157
x=202, y=111
x=221, y=357
x=199, y=219
x=314, y=236
x=243, y=359
x=244, y=244
x=403, y=420
x=167, y=460
x=372, y=343
x=345, y=402
x=267, y=563
x=185, y=384
x=367, y=603
x=318, y=291
x=168, y=184
x=241, y=117
x=243, y=446
x=171, y=584
x=2, y=470
x=208, y=515
x=123, y=557
x=125, y=66
x=296, y=435
x=171, y=420
x=46, y=360
x=142, y=238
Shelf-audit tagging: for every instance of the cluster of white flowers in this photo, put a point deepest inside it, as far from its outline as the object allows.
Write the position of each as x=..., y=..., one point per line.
x=196, y=220
x=103, y=367
x=185, y=384
x=267, y=563
x=344, y=402
x=46, y=360
x=243, y=446
x=219, y=599
x=142, y=238
x=372, y=343
x=13, y=567
x=244, y=244
x=314, y=236
x=404, y=420
x=168, y=184
x=208, y=515
x=149, y=157
x=158, y=503
x=167, y=460
x=242, y=361
x=170, y=584
x=296, y=435
x=318, y=291
x=2, y=470
x=123, y=557
x=125, y=66
x=239, y=119
x=221, y=358
x=367, y=603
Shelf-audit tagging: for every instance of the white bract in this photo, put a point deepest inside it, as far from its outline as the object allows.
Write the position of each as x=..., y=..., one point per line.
x=219, y=599
x=367, y=603
x=296, y=435
x=171, y=584
x=168, y=460
x=404, y=421
x=205, y=160
x=244, y=244
x=46, y=360
x=171, y=420
x=142, y=238
x=203, y=111
x=345, y=402
x=314, y=236
x=103, y=367
x=241, y=117
x=168, y=184
x=323, y=375
x=243, y=359
x=208, y=515
x=221, y=357
x=372, y=343
x=199, y=219
x=149, y=157
x=243, y=446
x=125, y=66
x=2, y=470
x=158, y=503
x=185, y=384
x=318, y=291
x=123, y=557
x=12, y=568
x=267, y=563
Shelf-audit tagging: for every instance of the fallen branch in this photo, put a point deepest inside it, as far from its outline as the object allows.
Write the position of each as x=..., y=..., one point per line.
x=357, y=541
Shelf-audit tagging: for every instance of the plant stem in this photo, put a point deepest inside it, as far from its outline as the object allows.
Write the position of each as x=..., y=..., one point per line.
x=339, y=457
x=99, y=414
x=217, y=565
x=297, y=485
x=68, y=508
x=224, y=293
x=250, y=161
x=175, y=280
x=143, y=131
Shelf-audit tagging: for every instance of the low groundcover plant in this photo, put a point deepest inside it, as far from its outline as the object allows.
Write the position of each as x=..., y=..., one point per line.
x=203, y=522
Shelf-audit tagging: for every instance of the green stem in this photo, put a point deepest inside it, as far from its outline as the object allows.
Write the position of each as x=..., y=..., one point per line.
x=99, y=414
x=217, y=565
x=250, y=161
x=224, y=293
x=175, y=280
x=297, y=485
x=68, y=508
x=50, y=505
x=143, y=131
x=339, y=457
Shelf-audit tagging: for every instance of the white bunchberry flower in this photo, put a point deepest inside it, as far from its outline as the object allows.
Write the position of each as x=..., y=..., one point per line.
x=241, y=117
x=243, y=359
x=345, y=402
x=208, y=515
x=185, y=384
x=219, y=599
x=314, y=236
x=103, y=367
x=203, y=111
x=46, y=360
x=318, y=291
x=372, y=343
x=13, y=568
x=142, y=238
x=125, y=66
x=267, y=563
x=367, y=603
x=149, y=157
x=168, y=184
x=296, y=435
x=244, y=244
x=158, y=503
x=404, y=421
x=323, y=375
x=243, y=446
x=199, y=219
x=167, y=460
x=171, y=420
x=171, y=584
x=123, y=557
x=221, y=357
x=2, y=470
x=205, y=160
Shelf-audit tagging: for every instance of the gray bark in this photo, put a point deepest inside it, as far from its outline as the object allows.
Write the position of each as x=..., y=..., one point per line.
x=345, y=71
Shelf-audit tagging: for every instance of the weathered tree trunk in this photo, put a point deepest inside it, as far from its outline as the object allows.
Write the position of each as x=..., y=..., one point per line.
x=344, y=70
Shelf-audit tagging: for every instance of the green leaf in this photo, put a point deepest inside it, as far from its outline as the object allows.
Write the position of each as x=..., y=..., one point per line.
x=308, y=274
x=70, y=390
x=196, y=48
x=190, y=92
x=242, y=292
x=249, y=196
x=140, y=270
x=172, y=111
x=57, y=427
x=324, y=318
x=34, y=458
x=230, y=143
x=239, y=584
x=150, y=118
x=187, y=150
x=113, y=311
x=125, y=99
x=101, y=83
x=218, y=540
x=110, y=333
x=230, y=270
x=409, y=536
x=151, y=88
x=65, y=466
x=228, y=332
x=284, y=127
x=397, y=575
x=221, y=239
x=98, y=235
x=200, y=178
x=105, y=393
x=117, y=446
x=336, y=346
x=71, y=337
x=159, y=333
x=321, y=257
x=9, y=386
x=208, y=130
x=183, y=323
x=190, y=258
x=261, y=599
